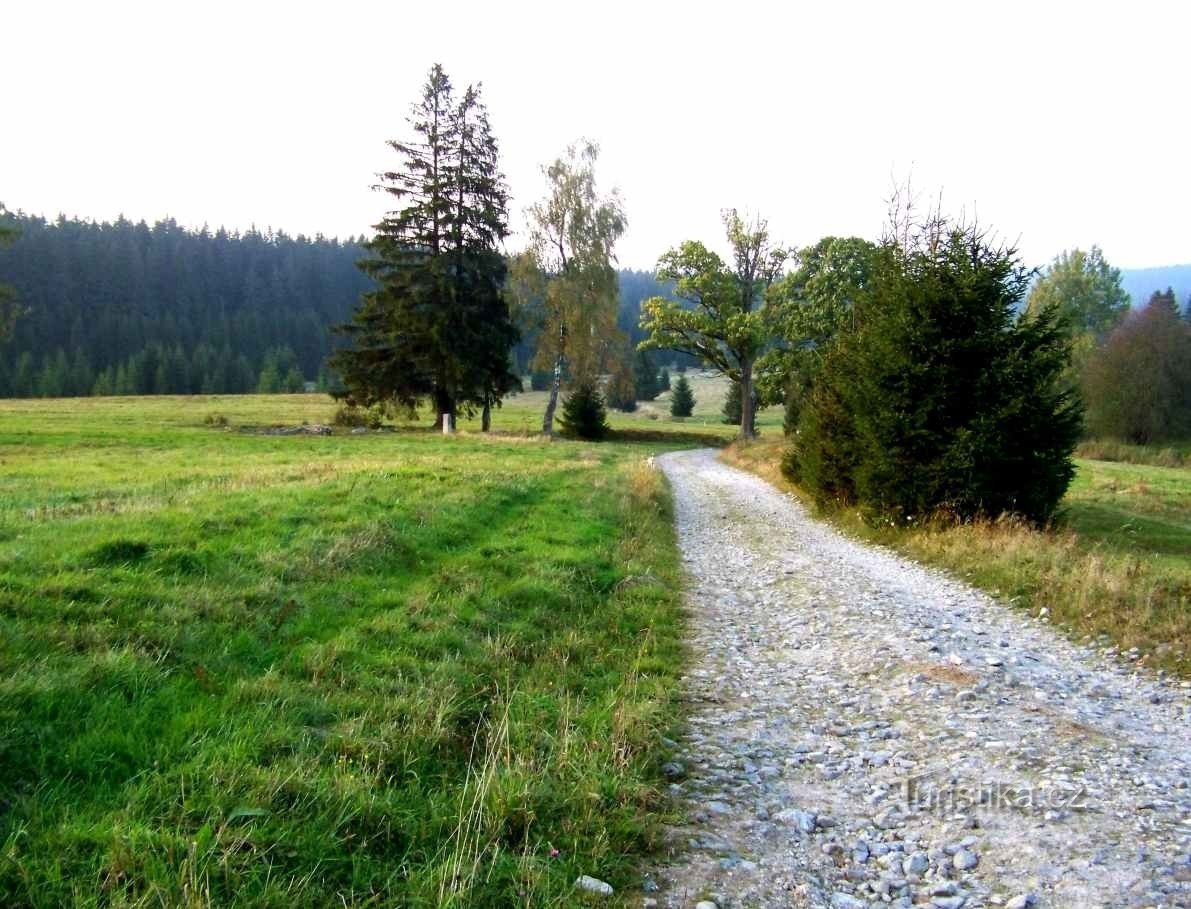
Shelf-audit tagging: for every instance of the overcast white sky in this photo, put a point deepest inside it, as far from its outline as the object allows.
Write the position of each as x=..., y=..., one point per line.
x=1060, y=124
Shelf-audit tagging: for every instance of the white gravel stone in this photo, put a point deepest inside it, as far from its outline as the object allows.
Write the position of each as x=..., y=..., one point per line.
x=593, y=885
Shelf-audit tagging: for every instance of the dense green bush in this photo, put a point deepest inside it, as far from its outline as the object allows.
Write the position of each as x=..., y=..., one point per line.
x=942, y=399
x=682, y=399
x=583, y=413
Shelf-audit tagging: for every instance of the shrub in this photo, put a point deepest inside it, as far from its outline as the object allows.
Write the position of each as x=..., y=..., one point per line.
x=583, y=413
x=682, y=399
x=215, y=419
x=539, y=380
x=351, y=416
x=942, y=399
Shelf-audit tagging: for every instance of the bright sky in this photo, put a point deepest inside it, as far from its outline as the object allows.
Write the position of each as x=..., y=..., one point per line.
x=1060, y=124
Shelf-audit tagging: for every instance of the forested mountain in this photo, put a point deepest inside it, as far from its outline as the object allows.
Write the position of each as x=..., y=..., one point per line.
x=129, y=308
x=1140, y=283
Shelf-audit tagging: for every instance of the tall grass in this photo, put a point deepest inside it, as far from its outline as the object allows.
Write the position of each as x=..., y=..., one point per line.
x=375, y=669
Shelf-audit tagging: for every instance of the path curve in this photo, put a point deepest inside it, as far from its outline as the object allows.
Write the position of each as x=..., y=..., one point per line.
x=826, y=672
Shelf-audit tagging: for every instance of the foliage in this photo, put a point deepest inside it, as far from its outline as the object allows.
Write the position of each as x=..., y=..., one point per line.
x=682, y=398
x=242, y=669
x=119, y=297
x=718, y=318
x=621, y=390
x=354, y=417
x=437, y=326
x=10, y=309
x=646, y=381
x=583, y=413
x=805, y=311
x=1138, y=385
x=942, y=398
x=732, y=415
x=568, y=271
x=1085, y=289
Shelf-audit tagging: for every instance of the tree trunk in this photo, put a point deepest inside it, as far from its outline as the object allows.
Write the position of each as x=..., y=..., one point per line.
x=486, y=416
x=746, y=401
x=552, y=404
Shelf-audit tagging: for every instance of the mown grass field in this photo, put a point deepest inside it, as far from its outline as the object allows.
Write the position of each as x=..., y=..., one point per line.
x=377, y=669
x=1115, y=569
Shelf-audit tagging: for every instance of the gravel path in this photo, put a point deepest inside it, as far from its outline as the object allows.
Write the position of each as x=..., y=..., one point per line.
x=827, y=673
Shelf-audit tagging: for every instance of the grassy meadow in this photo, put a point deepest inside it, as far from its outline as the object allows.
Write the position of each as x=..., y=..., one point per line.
x=361, y=669
x=1115, y=569
x=393, y=668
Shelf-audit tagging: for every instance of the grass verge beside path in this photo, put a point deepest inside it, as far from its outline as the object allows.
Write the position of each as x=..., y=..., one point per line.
x=1116, y=568
x=373, y=670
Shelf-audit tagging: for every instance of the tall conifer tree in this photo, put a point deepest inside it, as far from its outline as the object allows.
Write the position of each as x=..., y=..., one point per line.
x=437, y=326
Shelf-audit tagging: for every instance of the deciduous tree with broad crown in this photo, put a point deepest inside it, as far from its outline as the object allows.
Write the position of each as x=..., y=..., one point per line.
x=1085, y=290
x=720, y=315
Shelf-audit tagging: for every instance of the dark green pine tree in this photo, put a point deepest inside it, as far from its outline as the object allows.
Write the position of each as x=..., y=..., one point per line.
x=484, y=333
x=682, y=399
x=437, y=327
x=584, y=415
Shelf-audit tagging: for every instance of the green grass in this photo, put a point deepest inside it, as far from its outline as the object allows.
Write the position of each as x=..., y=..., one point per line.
x=1115, y=567
x=378, y=669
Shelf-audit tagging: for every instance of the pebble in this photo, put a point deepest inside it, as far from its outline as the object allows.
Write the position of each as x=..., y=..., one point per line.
x=594, y=885
x=965, y=860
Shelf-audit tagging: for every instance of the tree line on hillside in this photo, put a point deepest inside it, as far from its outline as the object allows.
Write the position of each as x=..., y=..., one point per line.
x=127, y=308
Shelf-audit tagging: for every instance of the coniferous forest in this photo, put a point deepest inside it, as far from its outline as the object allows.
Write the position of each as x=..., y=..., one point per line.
x=129, y=308
x=132, y=308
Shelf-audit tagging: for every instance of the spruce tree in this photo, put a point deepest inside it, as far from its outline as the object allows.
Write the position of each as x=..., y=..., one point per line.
x=583, y=413
x=437, y=325
x=943, y=399
x=682, y=399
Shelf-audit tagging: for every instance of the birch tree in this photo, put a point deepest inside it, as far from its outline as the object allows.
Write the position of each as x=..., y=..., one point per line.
x=573, y=234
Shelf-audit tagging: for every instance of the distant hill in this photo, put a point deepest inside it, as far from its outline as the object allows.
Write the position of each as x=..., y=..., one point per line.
x=1141, y=282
